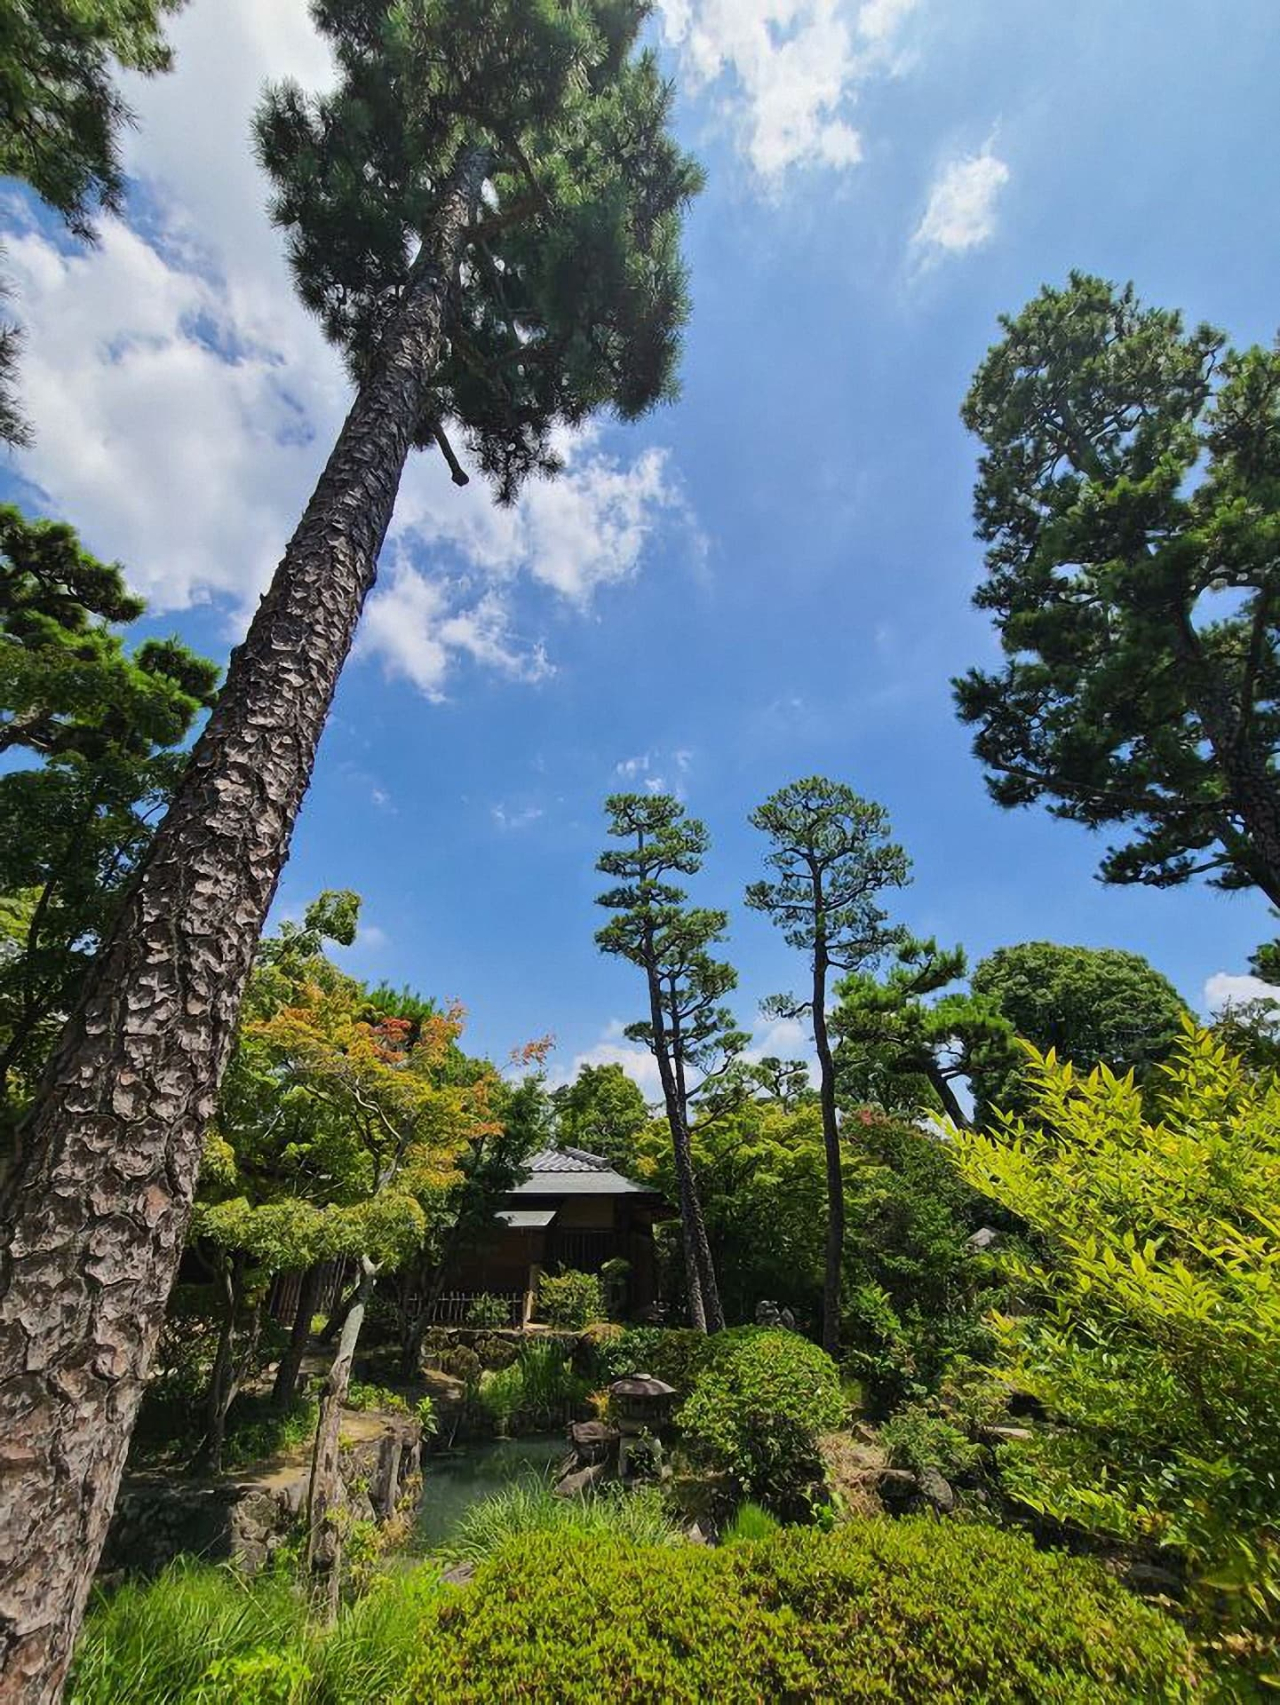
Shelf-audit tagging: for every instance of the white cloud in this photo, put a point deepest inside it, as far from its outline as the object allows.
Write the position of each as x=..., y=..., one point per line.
x=184, y=401
x=613, y=1049
x=516, y=819
x=630, y=769
x=961, y=210
x=1226, y=988
x=418, y=628
x=788, y=71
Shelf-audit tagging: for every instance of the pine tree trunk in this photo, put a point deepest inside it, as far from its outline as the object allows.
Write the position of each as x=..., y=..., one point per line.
x=705, y=1313
x=831, y=1144
x=286, y=1381
x=96, y=1207
x=324, y=1536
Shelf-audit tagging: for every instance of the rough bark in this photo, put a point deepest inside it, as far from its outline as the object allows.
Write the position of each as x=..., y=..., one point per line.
x=97, y=1205
x=831, y=1145
x=286, y=1380
x=324, y=1535
x=705, y=1312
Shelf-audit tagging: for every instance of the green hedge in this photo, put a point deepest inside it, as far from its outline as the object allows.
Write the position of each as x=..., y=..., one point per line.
x=759, y=1408
x=910, y=1610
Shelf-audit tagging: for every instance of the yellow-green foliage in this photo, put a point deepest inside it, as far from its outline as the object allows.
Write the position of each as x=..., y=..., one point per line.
x=1153, y=1327
x=760, y=1406
x=881, y=1610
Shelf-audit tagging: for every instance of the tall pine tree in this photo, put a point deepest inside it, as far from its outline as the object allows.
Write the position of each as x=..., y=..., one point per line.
x=831, y=861
x=485, y=213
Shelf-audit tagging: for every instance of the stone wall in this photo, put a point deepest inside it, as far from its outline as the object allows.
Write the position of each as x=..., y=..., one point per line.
x=245, y=1518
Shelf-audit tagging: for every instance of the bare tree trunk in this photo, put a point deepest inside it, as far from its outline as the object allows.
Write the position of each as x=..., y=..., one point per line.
x=286, y=1381
x=947, y=1096
x=831, y=1144
x=97, y=1205
x=324, y=1536
x=222, y=1381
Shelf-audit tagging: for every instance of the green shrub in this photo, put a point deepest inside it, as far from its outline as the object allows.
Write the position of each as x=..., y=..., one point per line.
x=917, y=1438
x=257, y=1429
x=910, y=1610
x=751, y=1522
x=155, y=1641
x=380, y=1397
x=572, y=1300
x=530, y=1506
x=538, y=1387
x=676, y=1354
x=759, y=1408
x=489, y=1310
x=1154, y=1345
x=260, y=1677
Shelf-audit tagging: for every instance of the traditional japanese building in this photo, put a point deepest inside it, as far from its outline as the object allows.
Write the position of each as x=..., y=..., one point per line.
x=573, y=1212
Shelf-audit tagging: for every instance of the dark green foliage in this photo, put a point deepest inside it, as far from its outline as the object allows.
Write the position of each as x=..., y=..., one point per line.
x=903, y=1049
x=916, y=1294
x=100, y=729
x=1092, y=1006
x=674, y=1354
x=489, y=1310
x=572, y=1300
x=910, y=1610
x=575, y=294
x=759, y=1408
x=919, y=1438
x=603, y=1112
x=60, y=114
x=1129, y=498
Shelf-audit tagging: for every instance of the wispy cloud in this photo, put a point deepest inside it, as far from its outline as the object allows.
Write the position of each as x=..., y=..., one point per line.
x=515, y=819
x=787, y=72
x=961, y=210
x=1228, y=988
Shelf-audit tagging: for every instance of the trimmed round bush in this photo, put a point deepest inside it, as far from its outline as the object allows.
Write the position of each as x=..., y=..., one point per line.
x=879, y=1610
x=759, y=1408
x=571, y=1300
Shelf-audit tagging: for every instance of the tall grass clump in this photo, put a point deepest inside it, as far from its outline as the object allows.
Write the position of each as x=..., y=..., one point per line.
x=751, y=1522
x=530, y=1506
x=155, y=1641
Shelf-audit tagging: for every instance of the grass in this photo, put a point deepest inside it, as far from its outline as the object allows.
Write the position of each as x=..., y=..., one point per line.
x=751, y=1522
x=154, y=1641
x=530, y=1506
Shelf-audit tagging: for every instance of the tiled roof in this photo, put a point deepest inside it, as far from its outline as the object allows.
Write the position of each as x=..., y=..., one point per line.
x=574, y=1172
x=567, y=1160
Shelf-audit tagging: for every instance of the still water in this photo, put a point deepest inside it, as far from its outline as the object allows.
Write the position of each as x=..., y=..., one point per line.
x=453, y=1482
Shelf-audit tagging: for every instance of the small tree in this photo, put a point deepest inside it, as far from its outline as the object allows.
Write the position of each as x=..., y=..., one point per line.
x=395, y=1136
x=1153, y=1339
x=689, y=1032
x=832, y=861
x=1127, y=498
x=900, y=1047
x=601, y=1111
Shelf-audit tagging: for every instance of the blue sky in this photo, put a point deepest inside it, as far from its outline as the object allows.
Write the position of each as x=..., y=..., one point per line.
x=768, y=579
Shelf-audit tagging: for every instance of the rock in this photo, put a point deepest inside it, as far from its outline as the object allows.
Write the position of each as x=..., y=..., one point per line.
x=1002, y=1435
x=983, y=1240
x=593, y=1441
x=896, y=1486
x=695, y=1535
x=582, y=1480
x=937, y=1490
x=459, y=1575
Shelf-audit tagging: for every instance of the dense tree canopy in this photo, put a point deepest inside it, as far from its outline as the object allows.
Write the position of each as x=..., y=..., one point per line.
x=575, y=292
x=93, y=733
x=601, y=1111
x=1092, y=1006
x=1129, y=497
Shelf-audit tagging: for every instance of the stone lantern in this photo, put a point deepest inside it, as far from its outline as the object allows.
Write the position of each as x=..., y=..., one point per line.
x=641, y=1403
